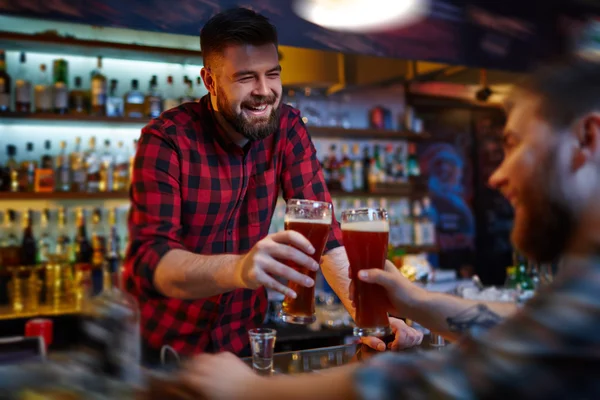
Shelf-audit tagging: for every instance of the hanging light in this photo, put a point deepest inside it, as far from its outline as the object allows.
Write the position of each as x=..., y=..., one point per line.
x=361, y=15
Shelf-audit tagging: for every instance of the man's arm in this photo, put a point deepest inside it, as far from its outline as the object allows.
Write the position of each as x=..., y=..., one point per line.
x=160, y=263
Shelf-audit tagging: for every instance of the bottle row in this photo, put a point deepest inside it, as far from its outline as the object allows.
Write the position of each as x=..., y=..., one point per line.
x=412, y=223
x=90, y=170
x=63, y=95
x=29, y=237
x=369, y=165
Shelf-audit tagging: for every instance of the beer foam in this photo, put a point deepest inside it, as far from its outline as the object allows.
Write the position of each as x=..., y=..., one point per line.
x=366, y=226
x=324, y=221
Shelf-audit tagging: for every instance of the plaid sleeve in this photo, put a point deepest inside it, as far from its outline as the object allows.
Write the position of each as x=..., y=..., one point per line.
x=549, y=350
x=302, y=177
x=154, y=220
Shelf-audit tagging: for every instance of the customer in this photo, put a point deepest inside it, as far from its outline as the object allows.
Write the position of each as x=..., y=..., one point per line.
x=550, y=349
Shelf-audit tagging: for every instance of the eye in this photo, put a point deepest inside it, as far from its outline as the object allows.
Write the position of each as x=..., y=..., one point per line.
x=245, y=79
x=274, y=75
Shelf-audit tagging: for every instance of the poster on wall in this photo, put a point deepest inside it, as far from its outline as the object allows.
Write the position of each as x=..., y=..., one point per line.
x=446, y=162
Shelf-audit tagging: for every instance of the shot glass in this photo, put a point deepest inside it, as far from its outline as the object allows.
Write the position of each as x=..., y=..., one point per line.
x=262, y=341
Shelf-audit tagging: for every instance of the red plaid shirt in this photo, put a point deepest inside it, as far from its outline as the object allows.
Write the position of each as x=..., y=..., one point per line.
x=194, y=189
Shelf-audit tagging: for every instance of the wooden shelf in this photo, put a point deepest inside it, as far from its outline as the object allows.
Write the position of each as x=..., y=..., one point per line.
x=415, y=189
x=353, y=134
x=5, y=196
x=50, y=43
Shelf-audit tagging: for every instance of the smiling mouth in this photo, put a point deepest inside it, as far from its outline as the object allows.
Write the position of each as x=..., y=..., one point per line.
x=256, y=110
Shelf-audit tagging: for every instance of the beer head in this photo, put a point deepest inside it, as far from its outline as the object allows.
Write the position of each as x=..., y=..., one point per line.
x=301, y=210
x=364, y=215
x=367, y=226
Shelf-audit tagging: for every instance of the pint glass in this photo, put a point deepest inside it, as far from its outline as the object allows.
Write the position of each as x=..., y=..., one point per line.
x=365, y=232
x=313, y=220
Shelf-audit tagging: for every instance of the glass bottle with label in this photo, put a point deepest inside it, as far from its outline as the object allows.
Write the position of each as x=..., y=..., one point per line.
x=79, y=99
x=83, y=256
x=134, y=101
x=5, y=84
x=27, y=171
x=62, y=173
x=47, y=161
x=153, y=100
x=63, y=239
x=188, y=96
x=23, y=90
x=45, y=245
x=107, y=166
x=78, y=171
x=98, y=252
x=114, y=103
x=61, y=89
x=98, y=91
x=12, y=170
x=121, y=170
x=170, y=100
x=28, y=242
x=92, y=167
x=43, y=92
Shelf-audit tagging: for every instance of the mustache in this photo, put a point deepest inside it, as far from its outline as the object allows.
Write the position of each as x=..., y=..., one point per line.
x=257, y=101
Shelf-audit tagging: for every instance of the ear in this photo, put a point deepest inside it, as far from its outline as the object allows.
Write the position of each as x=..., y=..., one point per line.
x=209, y=81
x=588, y=137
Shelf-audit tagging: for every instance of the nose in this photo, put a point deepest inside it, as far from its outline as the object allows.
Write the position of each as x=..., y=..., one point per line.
x=261, y=88
x=499, y=177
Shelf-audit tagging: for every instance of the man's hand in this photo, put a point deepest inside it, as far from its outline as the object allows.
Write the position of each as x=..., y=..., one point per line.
x=219, y=376
x=263, y=263
x=401, y=293
x=405, y=337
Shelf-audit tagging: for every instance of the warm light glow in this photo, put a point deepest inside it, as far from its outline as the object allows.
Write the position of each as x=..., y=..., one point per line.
x=361, y=15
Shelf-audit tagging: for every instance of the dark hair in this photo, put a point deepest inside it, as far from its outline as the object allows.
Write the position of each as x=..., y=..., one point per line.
x=235, y=26
x=567, y=90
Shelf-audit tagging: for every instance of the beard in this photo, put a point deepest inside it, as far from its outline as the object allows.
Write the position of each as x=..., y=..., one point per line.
x=544, y=223
x=251, y=128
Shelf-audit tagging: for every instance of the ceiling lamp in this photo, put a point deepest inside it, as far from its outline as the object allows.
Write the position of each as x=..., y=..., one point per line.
x=361, y=15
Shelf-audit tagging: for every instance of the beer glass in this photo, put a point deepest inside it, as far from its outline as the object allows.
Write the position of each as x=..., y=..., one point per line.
x=365, y=232
x=313, y=220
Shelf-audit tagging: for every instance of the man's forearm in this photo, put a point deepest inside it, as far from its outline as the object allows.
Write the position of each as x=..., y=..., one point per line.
x=335, y=269
x=435, y=310
x=184, y=275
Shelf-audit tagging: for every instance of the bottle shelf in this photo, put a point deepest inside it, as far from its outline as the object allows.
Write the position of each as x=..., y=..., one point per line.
x=7, y=313
x=50, y=43
x=315, y=131
x=414, y=249
x=5, y=196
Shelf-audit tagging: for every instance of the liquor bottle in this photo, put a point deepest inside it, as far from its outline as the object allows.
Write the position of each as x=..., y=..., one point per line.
x=153, y=100
x=45, y=245
x=413, y=162
x=188, y=96
x=79, y=99
x=98, y=252
x=62, y=172
x=60, y=88
x=357, y=168
x=98, y=91
x=134, y=101
x=11, y=174
x=345, y=169
x=83, y=254
x=523, y=278
x=78, y=170
x=46, y=161
x=63, y=239
x=419, y=238
x=428, y=222
x=374, y=168
x=27, y=170
x=10, y=246
x=106, y=169
x=170, y=100
x=43, y=92
x=407, y=236
x=114, y=103
x=5, y=84
x=22, y=88
x=399, y=170
x=92, y=167
x=366, y=168
x=121, y=170
x=28, y=242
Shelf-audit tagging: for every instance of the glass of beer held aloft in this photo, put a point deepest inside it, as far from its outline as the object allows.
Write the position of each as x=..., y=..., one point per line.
x=312, y=219
x=365, y=232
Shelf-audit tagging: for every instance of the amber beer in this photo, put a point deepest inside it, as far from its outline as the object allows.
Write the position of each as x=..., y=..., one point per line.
x=312, y=219
x=365, y=233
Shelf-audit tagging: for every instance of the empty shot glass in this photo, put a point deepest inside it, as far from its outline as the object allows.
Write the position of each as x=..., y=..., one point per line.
x=262, y=341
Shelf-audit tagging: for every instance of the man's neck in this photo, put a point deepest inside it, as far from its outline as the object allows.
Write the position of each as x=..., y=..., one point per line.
x=586, y=241
x=231, y=133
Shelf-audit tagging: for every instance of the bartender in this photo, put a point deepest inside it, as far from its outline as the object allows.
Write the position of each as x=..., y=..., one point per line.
x=205, y=182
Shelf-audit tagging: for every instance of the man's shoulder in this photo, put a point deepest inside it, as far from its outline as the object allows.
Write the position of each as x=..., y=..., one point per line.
x=178, y=122
x=291, y=121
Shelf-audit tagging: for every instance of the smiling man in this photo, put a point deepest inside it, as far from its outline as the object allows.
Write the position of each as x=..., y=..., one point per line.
x=205, y=183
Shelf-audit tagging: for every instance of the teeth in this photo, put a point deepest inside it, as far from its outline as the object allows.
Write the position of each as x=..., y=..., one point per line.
x=260, y=108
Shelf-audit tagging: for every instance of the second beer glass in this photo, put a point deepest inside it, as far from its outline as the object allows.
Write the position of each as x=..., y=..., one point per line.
x=365, y=232
x=313, y=220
